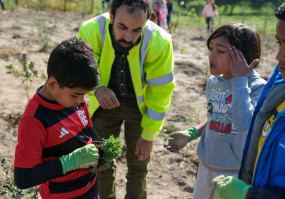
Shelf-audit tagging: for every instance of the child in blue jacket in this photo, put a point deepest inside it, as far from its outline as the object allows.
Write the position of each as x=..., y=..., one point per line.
x=262, y=171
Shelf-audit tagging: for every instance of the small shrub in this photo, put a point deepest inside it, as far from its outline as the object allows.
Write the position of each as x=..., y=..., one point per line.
x=181, y=49
x=112, y=149
x=169, y=129
x=44, y=32
x=8, y=186
x=197, y=5
x=28, y=74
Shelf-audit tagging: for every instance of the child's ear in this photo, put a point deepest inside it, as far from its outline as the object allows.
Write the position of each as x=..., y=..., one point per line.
x=52, y=83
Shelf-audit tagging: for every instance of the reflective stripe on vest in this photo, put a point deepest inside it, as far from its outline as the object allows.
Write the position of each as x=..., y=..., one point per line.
x=102, y=22
x=140, y=99
x=149, y=29
x=154, y=115
x=147, y=34
x=165, y=79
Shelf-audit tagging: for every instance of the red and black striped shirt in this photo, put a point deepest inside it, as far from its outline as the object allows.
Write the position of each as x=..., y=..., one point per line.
x=46, y=132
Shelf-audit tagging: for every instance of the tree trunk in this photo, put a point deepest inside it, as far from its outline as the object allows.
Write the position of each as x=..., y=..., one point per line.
x=41, y=5
x=232, y=9
x=64, y=9
x=226, y=7
x=92, y=5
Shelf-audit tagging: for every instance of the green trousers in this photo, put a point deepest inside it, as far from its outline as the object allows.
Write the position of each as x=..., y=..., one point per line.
x=107, y=122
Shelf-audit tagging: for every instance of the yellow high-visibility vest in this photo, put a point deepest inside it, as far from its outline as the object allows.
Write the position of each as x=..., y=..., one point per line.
x=151, y=66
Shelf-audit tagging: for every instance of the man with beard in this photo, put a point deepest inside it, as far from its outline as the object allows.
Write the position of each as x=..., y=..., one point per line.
x=135, y=59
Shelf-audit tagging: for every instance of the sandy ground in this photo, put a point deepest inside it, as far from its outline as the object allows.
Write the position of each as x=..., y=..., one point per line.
x=171, y=175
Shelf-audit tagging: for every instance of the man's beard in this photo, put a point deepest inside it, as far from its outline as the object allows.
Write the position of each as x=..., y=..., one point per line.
x=121, y=48
x=117, y=44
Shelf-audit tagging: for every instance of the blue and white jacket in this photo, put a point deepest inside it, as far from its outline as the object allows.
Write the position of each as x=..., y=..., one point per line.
x=268, y=174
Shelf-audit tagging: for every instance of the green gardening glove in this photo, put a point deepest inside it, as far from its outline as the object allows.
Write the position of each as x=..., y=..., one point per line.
x=230, y=187
x=83, y=157
x=179, y=139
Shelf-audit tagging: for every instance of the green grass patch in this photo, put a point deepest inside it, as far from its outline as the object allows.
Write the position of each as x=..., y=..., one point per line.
x=265, y=24
x=263, y=18
x=82, y=6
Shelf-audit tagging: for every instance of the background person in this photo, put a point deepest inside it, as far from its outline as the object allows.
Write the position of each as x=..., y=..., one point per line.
x=209, y=11
x=160, y=9
x=135, y=59
x=170, y=9
x=3, y=6
x=153, y=18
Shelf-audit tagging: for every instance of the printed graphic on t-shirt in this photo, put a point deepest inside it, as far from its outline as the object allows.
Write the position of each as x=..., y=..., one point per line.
x=83, y=117
x=219, y=112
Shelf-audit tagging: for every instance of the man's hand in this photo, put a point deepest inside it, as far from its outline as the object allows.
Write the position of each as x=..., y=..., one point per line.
x=106, y=98
x=230, y=187
x=179, y=139
x=143, y=148
x=83, y=157
x=238, y=64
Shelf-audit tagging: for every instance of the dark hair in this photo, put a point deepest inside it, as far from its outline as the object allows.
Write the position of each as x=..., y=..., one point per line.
x=245, y=38
x=153, y=17
x=280, y=12
x=142, y=4
x=214, y=5
x=72, y=64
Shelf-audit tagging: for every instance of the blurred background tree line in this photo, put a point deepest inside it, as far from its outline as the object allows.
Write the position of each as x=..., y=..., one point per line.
x=228, y=6
x=186, y=12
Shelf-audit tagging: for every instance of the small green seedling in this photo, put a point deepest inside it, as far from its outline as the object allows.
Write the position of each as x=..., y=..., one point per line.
x=109, y=149
x=112, y=148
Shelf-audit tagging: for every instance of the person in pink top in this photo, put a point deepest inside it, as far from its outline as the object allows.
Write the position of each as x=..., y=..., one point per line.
x=209, y=11
x=160, y=9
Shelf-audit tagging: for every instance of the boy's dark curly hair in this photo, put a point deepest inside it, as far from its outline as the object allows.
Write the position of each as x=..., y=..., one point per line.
x=134, y=4
x=245, y=38
x=280, y=12
x=72, y=64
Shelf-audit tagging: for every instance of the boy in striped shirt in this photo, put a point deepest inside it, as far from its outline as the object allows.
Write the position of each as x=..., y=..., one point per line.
x=55, y=133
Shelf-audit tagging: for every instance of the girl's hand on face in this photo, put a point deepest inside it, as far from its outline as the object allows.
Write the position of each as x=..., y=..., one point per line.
x=238, y=64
